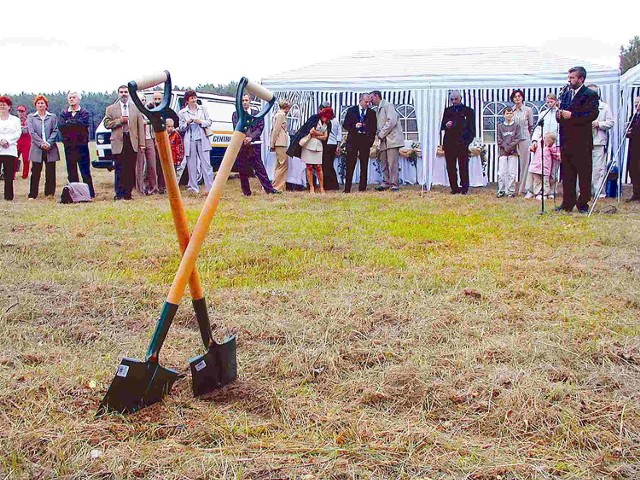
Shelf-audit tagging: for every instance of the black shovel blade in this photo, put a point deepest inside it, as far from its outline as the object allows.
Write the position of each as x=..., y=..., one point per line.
x=216, y=368
x=137, y=385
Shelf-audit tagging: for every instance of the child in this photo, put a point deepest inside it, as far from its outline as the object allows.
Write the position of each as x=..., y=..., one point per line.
x=551, y=159
x=550, y=125
x=507, y=135
x=177, y=147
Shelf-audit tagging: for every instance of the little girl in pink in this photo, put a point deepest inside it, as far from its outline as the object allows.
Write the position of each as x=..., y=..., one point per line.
x=551, y=162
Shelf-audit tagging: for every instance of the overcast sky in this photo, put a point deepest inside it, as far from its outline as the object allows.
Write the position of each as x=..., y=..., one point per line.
x=96, y=46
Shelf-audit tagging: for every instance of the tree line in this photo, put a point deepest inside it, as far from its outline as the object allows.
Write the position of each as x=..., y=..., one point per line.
x=630, y=55
x=97, y=102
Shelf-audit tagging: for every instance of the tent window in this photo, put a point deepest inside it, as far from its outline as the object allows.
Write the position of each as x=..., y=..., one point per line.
x=406, y=116
x=293, y=119
x=408, y=121
x=492, y=115
x=343, y=113
x=536, y=106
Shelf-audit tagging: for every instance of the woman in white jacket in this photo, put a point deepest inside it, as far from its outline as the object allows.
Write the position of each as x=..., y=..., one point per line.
x=194, y=120
x=10, y=131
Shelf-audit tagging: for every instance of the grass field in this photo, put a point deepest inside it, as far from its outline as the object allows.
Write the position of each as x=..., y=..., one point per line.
x=380, y=336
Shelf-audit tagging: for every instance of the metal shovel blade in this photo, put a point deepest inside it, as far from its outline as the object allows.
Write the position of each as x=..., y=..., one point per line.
x=137, y=385
x=216, y=368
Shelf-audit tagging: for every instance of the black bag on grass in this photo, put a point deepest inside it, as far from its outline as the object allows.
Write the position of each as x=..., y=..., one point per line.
x=75, y=192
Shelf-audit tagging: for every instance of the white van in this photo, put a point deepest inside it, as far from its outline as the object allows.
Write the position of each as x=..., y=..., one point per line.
x=219, y=107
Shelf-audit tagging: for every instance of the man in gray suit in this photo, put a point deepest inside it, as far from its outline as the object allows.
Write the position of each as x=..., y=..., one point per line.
x=127, y=138
x=391, y=139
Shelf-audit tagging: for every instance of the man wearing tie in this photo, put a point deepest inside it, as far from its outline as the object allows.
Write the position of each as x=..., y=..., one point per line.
x=578, y=109
x=127, y=138
x=458, y=123
x=360, y=124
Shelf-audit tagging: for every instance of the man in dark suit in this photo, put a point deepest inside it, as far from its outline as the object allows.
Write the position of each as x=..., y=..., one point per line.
x=578, y=108
x=633, y=152
x=361, y=124
x=458, y=123
x=249, y=160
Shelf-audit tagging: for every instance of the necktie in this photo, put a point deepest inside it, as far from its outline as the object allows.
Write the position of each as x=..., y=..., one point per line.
x=362, y=115
x=125, y=113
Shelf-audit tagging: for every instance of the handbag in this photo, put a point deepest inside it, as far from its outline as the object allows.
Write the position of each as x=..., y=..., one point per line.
x=208, y=132
x=304, y=140
x=374, y=151
x=75, y=192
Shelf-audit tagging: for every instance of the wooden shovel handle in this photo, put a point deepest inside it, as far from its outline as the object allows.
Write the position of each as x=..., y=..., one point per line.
x=151, y=80
x=177, y=208
x=204, y=220
x=259, y=91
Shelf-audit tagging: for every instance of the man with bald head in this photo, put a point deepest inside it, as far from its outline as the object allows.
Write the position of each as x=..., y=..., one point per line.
x=361, y=125
x=157, y=98
x=458, y=123
x=74, y=129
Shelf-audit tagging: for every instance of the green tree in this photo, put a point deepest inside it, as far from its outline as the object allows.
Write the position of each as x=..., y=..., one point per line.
x=95, y=102
x=228, y=89
x=630, y=56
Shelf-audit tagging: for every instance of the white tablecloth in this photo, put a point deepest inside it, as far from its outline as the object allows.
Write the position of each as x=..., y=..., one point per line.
x=296, y=172
x=476, y=178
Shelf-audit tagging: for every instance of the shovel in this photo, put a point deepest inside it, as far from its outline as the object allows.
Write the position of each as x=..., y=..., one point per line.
x=218, y=366
x=138, y=384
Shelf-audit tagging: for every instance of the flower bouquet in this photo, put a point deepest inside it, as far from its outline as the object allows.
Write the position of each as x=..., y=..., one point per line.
x=479, y=149
x=411, y=153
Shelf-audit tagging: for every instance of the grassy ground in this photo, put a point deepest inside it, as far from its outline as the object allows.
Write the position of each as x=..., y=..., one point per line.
x=379, y=336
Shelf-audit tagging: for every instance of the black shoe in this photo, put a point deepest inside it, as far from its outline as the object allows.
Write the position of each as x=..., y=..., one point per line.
x=381, y=188
x=583, y=210
x=454, y=192
x=274, y=192
x=560, y=209
x=464, y=192
x=116, y=198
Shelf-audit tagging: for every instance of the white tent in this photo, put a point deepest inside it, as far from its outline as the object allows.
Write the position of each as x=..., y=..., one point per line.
x=630, y=86
x=423, y=79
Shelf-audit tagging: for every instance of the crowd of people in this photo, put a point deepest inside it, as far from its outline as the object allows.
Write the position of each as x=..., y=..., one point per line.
x=568, y=144
x=317, y=142
x=32, y=139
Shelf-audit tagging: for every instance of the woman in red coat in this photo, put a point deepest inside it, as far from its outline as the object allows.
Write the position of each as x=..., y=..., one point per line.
x=24, y=143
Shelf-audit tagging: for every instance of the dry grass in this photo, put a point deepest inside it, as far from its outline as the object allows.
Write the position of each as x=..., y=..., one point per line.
x=379, y=336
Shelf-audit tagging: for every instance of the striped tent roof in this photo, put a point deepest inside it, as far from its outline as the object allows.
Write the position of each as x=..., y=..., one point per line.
x=631, y=77
x=439, y=68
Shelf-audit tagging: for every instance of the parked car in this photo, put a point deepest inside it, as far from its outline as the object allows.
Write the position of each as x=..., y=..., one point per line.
x=220, y=110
